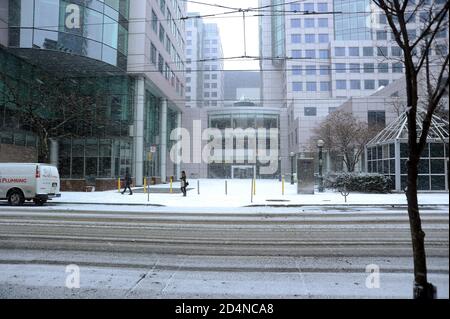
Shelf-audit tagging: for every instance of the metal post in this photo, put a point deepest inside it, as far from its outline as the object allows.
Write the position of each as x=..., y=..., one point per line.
x=320, y=169
x=171, y=181
x=226, y=187
x=292, y=168
x=198, y=187
x=251, y=193
x=282, y=185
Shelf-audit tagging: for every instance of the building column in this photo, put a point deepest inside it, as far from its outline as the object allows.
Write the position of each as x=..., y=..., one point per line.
x=163, y=139
x=139, y=131
x=54, y=152
x=178, y=171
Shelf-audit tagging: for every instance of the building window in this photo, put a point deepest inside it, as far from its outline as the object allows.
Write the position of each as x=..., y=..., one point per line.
x=323, y=38
x=353, y=51
x=295, y=23
x=310, y=111
x=325, y=86
x=355, y=84
x=296, y=54
x=396, y=51
x=324, y=54
x=153, y=54
x=381, y=35
x=383, y=83
x=324, y=70
x=376, y=118
x=310, y=70
x=296, y=70
x=368, y=51
x=310, y=38
x=323, y=22
x=311, y=86
x=309, y=7
x=341, y=84
x=382, y=51
x=369, y=84
x=339, y=51
x=369, y=68
x=397, y=67
x=309, y=23
x=322, y=7
x=383, y=68
x=296, y=86
x=295, y=38
x=154, y=22
x=355, y=68
x=340, y=67
x=310, y=54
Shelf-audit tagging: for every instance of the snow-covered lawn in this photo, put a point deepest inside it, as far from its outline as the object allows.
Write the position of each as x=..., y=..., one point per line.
x=212, y=194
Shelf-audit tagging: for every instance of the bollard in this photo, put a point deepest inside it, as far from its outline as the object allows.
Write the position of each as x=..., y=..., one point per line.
x=171, y=181
x=145, y=185
x=251, y=193
x=118, y=184
x=148, y=192
x=198, y=187
x=282, y=185
x=254, y=187
x=226, y=188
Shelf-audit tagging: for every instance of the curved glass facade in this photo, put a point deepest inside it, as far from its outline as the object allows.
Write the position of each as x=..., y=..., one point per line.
x=244, y=118
x=90, y=28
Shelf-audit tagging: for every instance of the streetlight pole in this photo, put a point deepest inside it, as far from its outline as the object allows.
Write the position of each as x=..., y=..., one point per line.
x=320, y=145
x=292, y=168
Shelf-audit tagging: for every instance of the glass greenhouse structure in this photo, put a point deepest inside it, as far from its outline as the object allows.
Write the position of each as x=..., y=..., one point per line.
x=387, y=154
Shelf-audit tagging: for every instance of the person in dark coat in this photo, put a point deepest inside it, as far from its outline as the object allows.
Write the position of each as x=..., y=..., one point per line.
x=184, y=183
x=128, y=182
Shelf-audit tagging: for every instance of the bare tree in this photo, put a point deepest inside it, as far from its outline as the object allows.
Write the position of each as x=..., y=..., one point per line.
x=421, y=67
x=345, y=136
x=52, y=110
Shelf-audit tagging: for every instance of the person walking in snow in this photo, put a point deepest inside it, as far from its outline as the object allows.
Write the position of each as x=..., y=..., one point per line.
x=184, y=183
x=128, y=183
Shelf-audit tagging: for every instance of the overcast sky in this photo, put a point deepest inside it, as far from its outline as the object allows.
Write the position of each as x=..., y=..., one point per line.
x=231, y=30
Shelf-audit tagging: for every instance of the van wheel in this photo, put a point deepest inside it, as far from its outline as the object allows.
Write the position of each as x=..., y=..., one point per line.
x=16, y=198
x=39, y=202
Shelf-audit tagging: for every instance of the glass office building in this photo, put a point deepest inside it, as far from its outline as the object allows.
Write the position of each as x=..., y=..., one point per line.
x=352, y=20
x=58, y=56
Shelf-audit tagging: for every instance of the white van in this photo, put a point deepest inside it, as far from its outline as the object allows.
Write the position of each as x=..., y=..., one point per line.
x=28, y=181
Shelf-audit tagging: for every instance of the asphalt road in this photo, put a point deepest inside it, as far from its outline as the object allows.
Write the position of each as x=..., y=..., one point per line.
x=255, y=252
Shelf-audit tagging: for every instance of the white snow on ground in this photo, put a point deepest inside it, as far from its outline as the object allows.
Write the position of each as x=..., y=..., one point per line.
x=212, y=194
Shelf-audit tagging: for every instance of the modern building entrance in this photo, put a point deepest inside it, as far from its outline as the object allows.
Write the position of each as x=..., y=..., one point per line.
x=243, y=171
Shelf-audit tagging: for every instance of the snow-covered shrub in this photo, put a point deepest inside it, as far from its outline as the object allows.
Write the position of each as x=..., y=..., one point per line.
x=360, y=182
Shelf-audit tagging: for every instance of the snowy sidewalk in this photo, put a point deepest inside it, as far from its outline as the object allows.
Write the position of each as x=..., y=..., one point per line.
x=268, y=192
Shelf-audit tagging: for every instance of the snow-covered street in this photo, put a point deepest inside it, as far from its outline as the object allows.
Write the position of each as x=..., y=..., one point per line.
x=238, y=194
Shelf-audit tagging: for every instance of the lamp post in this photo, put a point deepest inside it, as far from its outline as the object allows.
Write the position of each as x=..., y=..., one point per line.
x=320, y=144
x=292, y=167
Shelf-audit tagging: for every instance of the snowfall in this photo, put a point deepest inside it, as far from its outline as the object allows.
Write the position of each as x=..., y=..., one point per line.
x=238, y=193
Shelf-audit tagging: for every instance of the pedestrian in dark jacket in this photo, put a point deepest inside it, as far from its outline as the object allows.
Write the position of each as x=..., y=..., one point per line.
x=128, y=183
x=184, y=183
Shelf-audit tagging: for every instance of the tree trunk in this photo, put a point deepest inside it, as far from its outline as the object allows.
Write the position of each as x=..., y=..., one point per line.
x=43, y=149
x=422, y=289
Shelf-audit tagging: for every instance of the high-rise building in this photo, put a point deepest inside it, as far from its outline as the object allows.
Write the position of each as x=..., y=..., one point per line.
x=317, y=54
x=204, y=70
x=125, y=57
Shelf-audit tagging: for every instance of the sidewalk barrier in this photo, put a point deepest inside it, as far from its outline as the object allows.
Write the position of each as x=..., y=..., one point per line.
x=171, y=181
x=226, y=188
x=251, y=193
x=282, y=185
x=145, y=185
x=254, y=187
x=118, y=184
x=198, y=187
